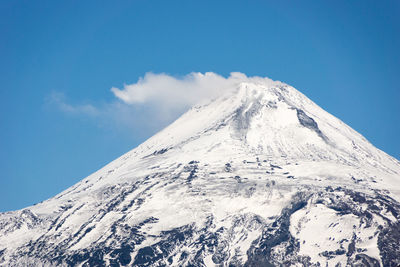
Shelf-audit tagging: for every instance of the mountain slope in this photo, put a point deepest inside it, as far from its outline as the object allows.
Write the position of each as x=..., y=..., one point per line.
x=260, y=176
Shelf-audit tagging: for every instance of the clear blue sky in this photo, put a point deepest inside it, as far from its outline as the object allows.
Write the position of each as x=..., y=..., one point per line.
x=344, y=55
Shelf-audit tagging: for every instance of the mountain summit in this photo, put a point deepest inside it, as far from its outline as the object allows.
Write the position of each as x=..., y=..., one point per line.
x=260, y=176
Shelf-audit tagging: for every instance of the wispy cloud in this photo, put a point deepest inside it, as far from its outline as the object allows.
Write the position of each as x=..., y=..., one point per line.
x=114, y=115
x=59, y=100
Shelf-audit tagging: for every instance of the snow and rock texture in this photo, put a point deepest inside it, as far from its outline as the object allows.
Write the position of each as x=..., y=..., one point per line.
x=260, y=176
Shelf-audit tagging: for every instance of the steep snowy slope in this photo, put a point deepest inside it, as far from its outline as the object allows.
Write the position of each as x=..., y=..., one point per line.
x=260, y=176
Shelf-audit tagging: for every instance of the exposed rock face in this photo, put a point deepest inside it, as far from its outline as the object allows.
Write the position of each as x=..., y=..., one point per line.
x=258, y=177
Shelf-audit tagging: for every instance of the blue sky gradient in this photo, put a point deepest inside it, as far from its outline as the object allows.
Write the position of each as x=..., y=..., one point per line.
x=344, y=55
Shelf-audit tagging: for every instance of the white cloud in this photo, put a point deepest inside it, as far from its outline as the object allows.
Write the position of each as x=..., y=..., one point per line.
x=178, y=92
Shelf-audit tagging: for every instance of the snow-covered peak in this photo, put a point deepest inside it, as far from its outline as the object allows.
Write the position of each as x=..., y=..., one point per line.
x=265, y=118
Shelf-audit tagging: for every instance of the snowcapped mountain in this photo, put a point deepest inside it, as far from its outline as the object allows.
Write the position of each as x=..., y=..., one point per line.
x=260, y=176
